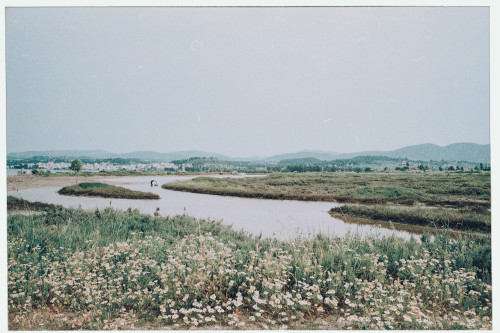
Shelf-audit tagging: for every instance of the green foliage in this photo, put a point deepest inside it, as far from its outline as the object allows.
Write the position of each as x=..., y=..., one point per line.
x=385, y=192
x=107, y=266
x=93, y=185
x=14, y=203
x=76, y=165
x=38, y=172
x=454, y=190
x=105, y=191
x=463, y=219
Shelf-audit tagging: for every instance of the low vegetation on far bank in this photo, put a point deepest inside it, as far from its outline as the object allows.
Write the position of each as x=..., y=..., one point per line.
x=443, y=189
x=105, y=191
x=110, y=269
x=440, y=218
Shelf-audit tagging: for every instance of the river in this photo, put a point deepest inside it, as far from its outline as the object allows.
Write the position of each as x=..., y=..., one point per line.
x=282, y=219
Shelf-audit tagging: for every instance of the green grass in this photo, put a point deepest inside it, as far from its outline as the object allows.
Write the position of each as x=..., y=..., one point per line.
x=105, y=191
x=450, y=190
x=14, y=203
x=108, y=269
x=463, y=219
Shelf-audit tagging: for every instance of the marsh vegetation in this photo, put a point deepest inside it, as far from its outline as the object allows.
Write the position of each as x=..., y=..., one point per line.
x=439, y=200
x=109, y=269
x=469, y=219
x=443, y=189
x=105, y=191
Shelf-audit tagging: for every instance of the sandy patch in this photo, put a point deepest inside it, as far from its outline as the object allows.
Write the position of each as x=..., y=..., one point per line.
x=23, y=182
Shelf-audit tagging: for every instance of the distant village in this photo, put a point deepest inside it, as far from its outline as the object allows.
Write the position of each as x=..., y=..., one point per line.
x=189, y=165
x=104, y=166
x=204, y=164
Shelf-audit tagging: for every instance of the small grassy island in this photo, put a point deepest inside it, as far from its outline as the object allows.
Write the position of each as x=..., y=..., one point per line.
x=105, y=191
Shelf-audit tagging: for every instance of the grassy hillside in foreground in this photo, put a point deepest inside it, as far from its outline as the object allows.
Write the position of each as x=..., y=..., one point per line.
x=109, y=269
x=105, y=191
x=443, y=189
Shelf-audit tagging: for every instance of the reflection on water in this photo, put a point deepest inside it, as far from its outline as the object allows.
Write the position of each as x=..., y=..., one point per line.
x=283, y=219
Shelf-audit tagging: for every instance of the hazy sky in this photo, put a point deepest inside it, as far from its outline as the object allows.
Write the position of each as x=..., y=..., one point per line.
x=246, y=81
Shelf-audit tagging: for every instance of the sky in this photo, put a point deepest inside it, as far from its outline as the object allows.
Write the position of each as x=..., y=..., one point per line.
x=246, y=81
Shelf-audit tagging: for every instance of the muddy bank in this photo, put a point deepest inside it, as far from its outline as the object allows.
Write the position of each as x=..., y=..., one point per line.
x=23, y=182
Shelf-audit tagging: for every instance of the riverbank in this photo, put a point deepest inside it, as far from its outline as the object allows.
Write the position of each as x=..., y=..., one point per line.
x=446, y=190
x=27, y=181
x=109, y=269
x=23, y=182
x=476, y=220
x=441, y=201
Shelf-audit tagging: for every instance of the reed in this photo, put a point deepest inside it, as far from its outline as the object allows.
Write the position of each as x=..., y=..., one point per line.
x=110, y=269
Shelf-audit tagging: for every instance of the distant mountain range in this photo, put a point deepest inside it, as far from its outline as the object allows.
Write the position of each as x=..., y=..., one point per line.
x=470, y=152
x=101, y=154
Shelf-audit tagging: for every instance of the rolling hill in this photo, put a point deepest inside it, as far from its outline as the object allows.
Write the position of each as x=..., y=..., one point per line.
x=470, y=152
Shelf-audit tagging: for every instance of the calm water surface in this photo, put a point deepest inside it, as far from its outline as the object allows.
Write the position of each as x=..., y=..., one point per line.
x=282, y=219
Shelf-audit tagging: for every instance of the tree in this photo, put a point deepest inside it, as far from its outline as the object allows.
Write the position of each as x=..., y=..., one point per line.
x=76, y=165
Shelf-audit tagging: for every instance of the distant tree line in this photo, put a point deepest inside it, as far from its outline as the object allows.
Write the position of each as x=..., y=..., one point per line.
x=300, y=165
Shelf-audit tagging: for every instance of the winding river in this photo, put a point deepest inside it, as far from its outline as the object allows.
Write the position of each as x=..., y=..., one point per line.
x=282, y=219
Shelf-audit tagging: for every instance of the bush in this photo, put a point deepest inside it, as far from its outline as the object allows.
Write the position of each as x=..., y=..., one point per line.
x=76, y=165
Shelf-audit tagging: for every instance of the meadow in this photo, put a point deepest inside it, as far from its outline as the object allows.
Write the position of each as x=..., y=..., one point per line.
x=102, y=190
x=110, y=269
x=436, y=189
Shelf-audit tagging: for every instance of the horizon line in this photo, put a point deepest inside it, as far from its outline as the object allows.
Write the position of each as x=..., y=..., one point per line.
x=188, y=150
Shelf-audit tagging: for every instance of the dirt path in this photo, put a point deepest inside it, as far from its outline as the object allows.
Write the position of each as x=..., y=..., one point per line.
x=23, y=182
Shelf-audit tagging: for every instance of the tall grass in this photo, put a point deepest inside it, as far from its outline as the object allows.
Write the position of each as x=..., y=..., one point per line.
x=106, y=269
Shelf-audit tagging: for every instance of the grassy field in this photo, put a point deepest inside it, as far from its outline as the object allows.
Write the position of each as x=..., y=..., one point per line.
x=105, y=191
x=444, y=189
x=441, y=218
x=460, y=201
x=109, y=269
